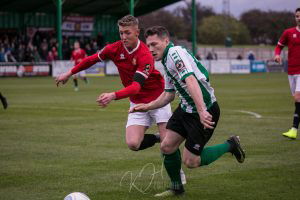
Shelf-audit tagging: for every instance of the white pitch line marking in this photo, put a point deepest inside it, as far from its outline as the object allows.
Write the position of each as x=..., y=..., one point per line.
x=256, y=115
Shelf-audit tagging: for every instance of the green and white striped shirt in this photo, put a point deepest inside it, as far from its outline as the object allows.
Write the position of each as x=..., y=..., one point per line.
x=179, y=64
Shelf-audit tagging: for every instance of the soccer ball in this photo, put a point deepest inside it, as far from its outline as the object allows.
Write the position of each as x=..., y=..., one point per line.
x=76, y=196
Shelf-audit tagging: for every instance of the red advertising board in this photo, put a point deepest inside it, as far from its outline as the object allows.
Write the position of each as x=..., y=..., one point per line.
x=24, y=69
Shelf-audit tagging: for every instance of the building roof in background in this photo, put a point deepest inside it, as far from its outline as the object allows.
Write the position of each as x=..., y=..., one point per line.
x=85, y=7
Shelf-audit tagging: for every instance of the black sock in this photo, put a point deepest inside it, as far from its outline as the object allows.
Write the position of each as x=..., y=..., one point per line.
x=148, y=141
x=75, y=82
x=296, y=115
x=3, y=100
x=85, y=79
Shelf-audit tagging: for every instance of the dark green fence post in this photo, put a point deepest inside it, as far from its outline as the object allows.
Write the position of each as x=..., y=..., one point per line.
x=131, y=7
x=58, y=27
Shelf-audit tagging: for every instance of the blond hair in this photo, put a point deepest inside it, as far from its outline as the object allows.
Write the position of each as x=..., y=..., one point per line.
x=128, y=20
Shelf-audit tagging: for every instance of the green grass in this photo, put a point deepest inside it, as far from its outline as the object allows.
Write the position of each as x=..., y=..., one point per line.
x=54, y=141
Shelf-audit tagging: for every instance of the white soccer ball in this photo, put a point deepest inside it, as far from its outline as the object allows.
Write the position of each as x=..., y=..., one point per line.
x=77, y=196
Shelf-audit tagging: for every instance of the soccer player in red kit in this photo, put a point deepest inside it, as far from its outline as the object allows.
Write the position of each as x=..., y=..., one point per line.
x=142, y=82
x=78, y=55
x=291, y=38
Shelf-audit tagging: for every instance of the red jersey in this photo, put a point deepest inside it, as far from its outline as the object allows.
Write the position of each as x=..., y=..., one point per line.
x=78, y=55
x=139, y=60
x=291, y=38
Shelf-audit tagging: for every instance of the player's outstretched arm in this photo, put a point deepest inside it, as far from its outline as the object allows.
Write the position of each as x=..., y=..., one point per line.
x=63, y=78
x=277, y=51
x=280, y=45
x=105, y=98
x=161, y=101
x=277, y=59
x=84, y=64
x=139, y=108
x=195, y=92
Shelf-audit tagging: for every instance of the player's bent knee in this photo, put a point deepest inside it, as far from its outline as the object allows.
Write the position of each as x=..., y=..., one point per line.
x=191, y=163
x=132, y=145
x=166, y=149
x=297, y=97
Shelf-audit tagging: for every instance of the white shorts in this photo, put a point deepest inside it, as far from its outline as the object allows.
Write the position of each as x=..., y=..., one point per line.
x=294, y=81
x=147, y=118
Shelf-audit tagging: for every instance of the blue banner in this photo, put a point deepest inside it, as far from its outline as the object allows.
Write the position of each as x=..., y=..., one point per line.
x=258, y=66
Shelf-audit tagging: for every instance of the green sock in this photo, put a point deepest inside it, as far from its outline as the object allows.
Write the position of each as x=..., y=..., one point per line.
x=172, y=164
x=212, y=153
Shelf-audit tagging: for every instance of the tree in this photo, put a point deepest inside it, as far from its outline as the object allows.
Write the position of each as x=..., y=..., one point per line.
x=179, y=21
x=174, y=24
x=255, y=21
x=202, y=12
x=266, y=27
x=186, y=14
x=213, y=30
x=277, y=23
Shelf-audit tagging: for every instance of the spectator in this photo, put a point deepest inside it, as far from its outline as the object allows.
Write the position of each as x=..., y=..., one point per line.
x=54, y=52
x=9, y=57
x=50, y=56
x=88, y=49
x=198, y=57
x=37, y=38
x=21, y=52
x=239, y=57
x=251, y=56
x=94, y=47
x=52, y=42
x=66, y=49
x=2, y=59
x=215, y=56
x=100, y=40
x=19, y=47
x=44, y=49
x=29, y=53
x=209, y=56
x=36, y=55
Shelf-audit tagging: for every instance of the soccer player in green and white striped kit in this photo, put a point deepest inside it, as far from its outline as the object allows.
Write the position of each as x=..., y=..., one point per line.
x=195, y=118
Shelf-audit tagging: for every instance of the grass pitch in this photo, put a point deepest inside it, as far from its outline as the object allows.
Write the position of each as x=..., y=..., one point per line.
x=54, y=141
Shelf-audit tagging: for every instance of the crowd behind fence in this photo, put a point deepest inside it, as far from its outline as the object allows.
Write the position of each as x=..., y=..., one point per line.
x=16, y=47
x=250, y=53
x=21, y=55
